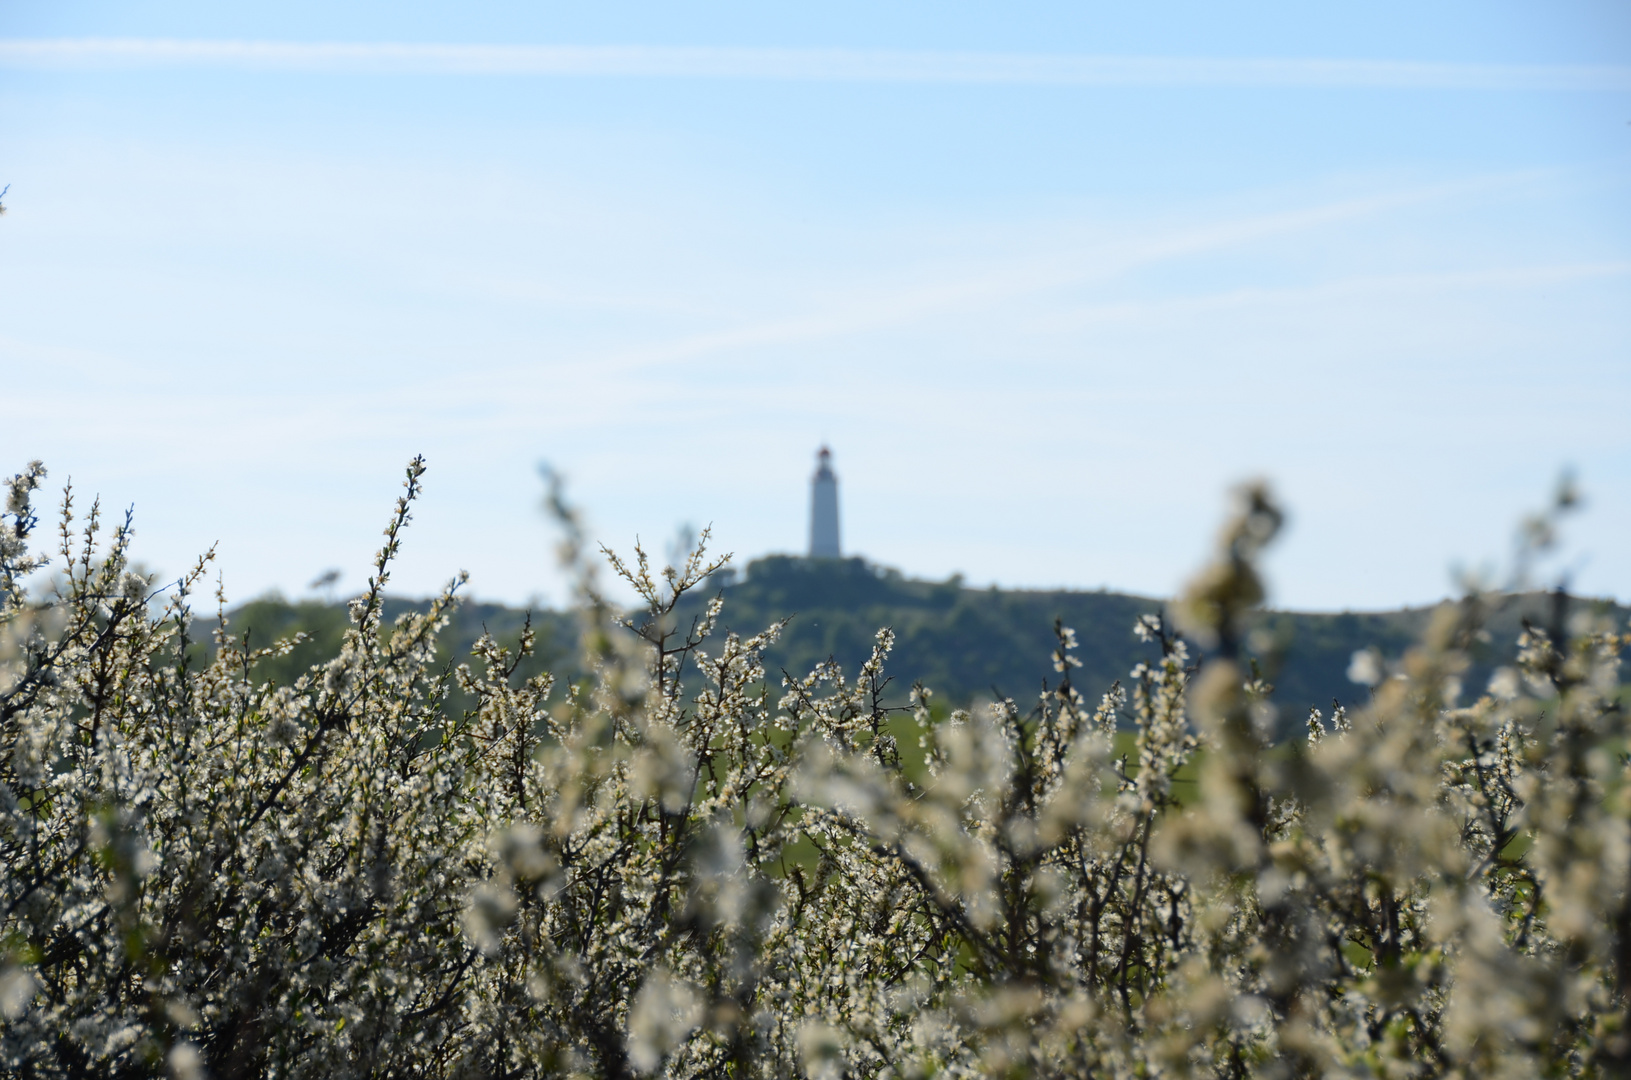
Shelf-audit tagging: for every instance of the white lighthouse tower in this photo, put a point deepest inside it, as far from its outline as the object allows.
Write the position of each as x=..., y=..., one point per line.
x=824, y=509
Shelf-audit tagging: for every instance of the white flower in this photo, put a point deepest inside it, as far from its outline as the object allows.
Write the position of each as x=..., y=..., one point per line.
x=1505, y=684
x=1365, y=668
x=185, y=1062
x=17, y=988
x=665, y=1012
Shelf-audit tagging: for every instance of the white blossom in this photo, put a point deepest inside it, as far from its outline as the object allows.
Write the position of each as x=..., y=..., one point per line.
x=678, y=867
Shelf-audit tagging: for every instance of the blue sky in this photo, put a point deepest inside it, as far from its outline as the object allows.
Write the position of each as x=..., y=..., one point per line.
x=1048, y=278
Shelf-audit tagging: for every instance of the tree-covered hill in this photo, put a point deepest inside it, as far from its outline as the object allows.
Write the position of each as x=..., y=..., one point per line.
x=963, y=643
x=966, y=643
x=270, y=618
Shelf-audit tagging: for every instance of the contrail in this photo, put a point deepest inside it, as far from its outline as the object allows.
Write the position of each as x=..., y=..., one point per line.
x=806, y=65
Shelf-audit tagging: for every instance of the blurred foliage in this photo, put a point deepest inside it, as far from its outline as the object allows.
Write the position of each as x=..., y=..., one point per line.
x=333, y=848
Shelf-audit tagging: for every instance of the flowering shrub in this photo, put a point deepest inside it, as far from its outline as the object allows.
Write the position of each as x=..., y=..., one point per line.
x=679, y=867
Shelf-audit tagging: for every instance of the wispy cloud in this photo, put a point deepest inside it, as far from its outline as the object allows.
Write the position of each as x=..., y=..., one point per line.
x=811, y=65
x=1302, y=297
x=871, y=309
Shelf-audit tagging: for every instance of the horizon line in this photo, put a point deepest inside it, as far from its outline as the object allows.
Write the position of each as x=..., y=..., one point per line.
x=800, y=65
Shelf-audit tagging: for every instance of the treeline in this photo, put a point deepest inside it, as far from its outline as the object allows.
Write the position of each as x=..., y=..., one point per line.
x=965, y=644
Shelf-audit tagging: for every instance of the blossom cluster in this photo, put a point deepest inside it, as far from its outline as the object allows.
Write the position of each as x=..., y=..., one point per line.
x=683, y=865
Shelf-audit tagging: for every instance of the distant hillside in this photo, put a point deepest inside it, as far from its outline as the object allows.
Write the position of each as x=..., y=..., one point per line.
x=271, y=617
x=966, y=643
x=963, y=643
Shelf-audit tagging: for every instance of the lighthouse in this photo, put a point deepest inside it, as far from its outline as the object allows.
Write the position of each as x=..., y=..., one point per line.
x=824, y=509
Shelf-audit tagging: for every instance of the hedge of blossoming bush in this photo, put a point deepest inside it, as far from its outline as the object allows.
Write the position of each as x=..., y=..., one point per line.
x=677, y=867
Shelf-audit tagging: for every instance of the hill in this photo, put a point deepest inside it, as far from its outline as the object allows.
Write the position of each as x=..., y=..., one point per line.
x=964, y=643
x=967, y=643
